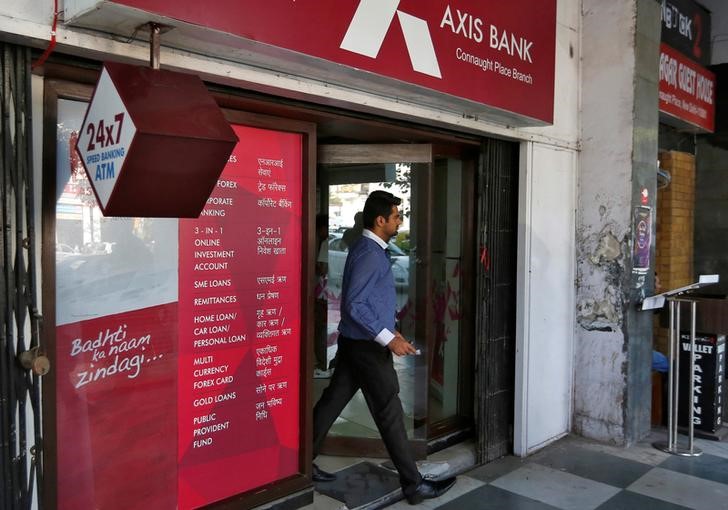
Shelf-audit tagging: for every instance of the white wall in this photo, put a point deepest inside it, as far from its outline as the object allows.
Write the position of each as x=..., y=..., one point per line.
x=567, y=84
x=547, y=257
x=545, y=318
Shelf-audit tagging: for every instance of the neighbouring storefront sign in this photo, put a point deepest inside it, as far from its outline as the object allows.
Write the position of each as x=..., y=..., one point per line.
x=495, y=53
x=708, y=376
x=687, y=91
x=686, y=27
x=178, y=341
x=144, y=154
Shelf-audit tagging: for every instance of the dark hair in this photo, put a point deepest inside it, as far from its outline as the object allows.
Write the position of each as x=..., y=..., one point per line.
x=322, y=220
x=379, y=203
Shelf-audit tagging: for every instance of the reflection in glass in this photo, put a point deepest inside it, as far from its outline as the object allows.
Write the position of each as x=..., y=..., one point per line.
x=447, y=259
x=104, y=265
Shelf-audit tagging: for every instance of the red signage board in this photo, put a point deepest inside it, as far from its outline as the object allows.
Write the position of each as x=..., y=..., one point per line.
x=116, y=405
x=239, y=331
x=178, y=344
x=495, y=53
x=138, y=138
x=687, y=90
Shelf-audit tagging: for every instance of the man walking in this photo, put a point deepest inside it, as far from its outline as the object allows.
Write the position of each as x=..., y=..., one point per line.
x=367, y=340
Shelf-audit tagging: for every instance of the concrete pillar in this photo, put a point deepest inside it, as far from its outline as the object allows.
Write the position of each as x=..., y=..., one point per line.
x=618, y=162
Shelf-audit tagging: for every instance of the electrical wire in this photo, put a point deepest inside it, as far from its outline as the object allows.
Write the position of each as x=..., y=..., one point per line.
x=52, y=44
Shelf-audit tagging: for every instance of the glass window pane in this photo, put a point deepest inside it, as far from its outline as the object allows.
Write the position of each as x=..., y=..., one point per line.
x=447, y=260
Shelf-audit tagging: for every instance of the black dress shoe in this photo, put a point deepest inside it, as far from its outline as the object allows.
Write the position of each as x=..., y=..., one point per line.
x=319, y=475
x=428, y=489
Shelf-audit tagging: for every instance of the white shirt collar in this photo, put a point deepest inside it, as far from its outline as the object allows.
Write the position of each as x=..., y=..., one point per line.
x=374, y=237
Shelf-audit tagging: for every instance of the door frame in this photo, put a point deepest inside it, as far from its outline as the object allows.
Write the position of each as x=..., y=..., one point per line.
x=453, y=429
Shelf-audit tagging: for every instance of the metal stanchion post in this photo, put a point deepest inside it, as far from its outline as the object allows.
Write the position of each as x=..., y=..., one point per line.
x=671, y=377
x=653, y=303
x=691, y=393
x=677, y=325
x=674, y=382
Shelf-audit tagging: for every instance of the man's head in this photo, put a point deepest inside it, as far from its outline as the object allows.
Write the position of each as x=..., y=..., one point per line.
x=322, y=227
x=358, y=220
x=381, y=215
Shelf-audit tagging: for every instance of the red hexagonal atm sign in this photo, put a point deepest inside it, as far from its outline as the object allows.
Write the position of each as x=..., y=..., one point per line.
x=105, y=137
x=153, y=142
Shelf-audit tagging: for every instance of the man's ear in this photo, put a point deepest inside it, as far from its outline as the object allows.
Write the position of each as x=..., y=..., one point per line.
x=380, y=221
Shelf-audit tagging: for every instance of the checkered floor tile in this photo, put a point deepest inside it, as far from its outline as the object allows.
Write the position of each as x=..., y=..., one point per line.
x=578, y=474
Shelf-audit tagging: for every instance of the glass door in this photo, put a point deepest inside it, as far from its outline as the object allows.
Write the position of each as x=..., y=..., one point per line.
x=432, y=257
x=451, y=261
x=347, y=174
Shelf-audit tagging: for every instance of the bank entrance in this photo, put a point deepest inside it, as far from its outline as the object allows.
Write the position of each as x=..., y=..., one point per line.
x=101, y=273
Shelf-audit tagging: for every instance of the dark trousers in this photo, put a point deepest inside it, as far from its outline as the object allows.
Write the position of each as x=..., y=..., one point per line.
x=366, y=365
x=320, y=332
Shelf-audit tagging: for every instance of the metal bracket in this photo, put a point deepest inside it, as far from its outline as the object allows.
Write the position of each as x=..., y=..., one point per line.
x=155, y=31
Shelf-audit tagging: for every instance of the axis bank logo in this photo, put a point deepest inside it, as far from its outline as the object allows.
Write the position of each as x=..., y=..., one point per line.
x=370, y=24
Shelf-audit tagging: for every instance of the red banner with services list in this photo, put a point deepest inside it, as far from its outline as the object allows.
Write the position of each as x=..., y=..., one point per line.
x=239, y=332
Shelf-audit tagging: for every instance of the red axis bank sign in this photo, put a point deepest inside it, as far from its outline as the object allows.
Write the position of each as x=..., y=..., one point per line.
x=687, y=90
x=496, y=53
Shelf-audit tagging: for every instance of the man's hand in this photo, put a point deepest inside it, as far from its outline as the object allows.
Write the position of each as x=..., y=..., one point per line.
x=400, y=346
